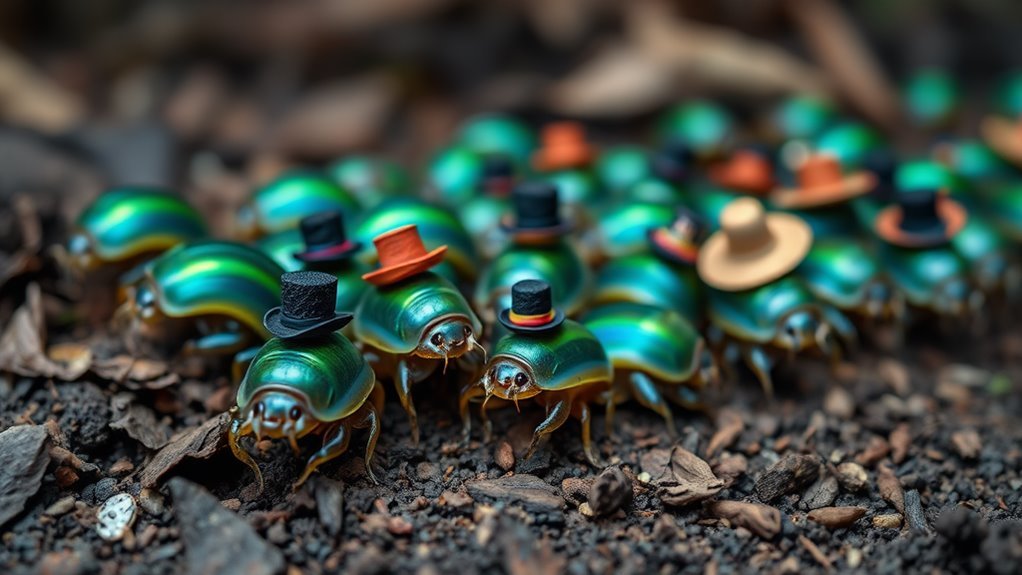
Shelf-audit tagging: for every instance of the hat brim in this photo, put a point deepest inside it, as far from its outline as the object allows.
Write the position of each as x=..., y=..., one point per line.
x=504, y=317
x=1004, y=137
x=392, y=274
x=725, y=178
x=331, y=254
x=561, y=229
x=272, y=322
x=656, y=246
x=545, y=160
x=950, y=212
x=851, y=186
x=722, y=270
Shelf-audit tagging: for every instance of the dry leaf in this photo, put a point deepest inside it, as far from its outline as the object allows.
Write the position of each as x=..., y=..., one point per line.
x=836, y=517
x=729, y=428
x=967, y=443
x=23, y=342
x=763, y=520
x=199, y=443
x=31, y=99
x=890, y=488
x=619, y=81
x=681, y=477
x=77, y=357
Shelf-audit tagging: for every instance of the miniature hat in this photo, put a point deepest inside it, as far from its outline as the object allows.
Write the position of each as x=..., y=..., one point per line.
x=674, y=162
x=821, y=183
x=402, y=254
x=325, y=238
x=921, y=218
x=532, y=309
x=563, y=145
x=1004, y=136
x=537, y=211
x=307, y=306
x=498, y=175
x=753, y=247
x=748, y=171
x=679, y=242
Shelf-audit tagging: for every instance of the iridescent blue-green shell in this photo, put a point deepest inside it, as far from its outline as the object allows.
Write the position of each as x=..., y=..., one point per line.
x=1008, y=99
x=557, y=264
x=215, y=278
x=281, y=204
x=839, y=271
x=1004, y=206
x=650, y=280
x=850, y=142
x=498, y=134
x=575, y=187
x=708, y=200
x=370, y=179
x=131, y=221
x=931, y=97
x=621, y=228
x=920, y=273
x=655, y=341
x=987, y=252
x=566, y=357
x=621, y=167
x=831, y=221
x=281, y=247
x=754, y=314
x=655, y=191
x=702, y=125
x=394, y=318
x=481, y=216
x=437, y=226
x=975, y=162
x=329, y=373
x=802, y=117
x=454, y=174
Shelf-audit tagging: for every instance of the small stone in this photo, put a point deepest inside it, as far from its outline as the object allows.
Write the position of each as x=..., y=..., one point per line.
x=854, y=558
x=820, y=494
x=964, y=528
x=122, y=467
x=967, y=443
x=115, y=516
x=233, y=504
x=839, y=403
x=877, y=449
x=852, y=476
x=887, y=521
x=790, y=474
x=611, y=491
x=427, y=471
x=61, y=506
x=399, y=526
x=504, y=456
x=329, y=495
x=456, y=499
x=576, y=489
x=586, y=510
x=914, y=513
x=25, y=457
x=151, y=501
x=277, y=534
x=763, y=520
x=836, y=517
x=895, y=374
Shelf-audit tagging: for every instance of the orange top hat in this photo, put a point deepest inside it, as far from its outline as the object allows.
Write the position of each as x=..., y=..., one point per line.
x=402, y=255
x=563, y=145
x=822, y=183
x=746, y=171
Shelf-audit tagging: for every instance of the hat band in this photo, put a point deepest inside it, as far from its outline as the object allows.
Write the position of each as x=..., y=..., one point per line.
x=300, y=323
x=328, y=249
x=679, y=247
x=534, y=320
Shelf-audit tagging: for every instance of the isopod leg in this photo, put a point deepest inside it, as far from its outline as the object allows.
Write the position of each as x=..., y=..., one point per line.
x=556, y=416
x=238, y=430
x=370, y=420
x=645, y=391
x=761, y=365
x=403, y=384
x=585, y=417
x=469, y=391
x=335, y=442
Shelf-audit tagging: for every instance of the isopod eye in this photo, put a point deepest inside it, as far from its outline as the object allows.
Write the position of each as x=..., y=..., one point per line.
x=437, y=339
x=258, y=409
x=295, y=413
x=521, y=379
x=467, y=331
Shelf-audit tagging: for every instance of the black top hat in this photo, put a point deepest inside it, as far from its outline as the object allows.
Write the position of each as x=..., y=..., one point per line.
x=532, y=309
x=325, y=238
x=536, y=210
x=920, y=218
x=307, y=306
x=673, y=162
x=680, y=240
x=497, y=175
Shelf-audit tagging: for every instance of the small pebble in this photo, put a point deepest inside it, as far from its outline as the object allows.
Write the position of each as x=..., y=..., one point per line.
x=61, y=506
x=887, y=521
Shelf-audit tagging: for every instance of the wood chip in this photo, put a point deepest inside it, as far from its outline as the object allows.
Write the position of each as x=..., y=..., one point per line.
x=763, y=520
x=914, y=513
x=890, y=488
x=730, y=425
x=681, y=477
x=900, y=440
x=967, y=443
x=504, y=456
x=791, y=473
x=836, y=517
x=887, y=521
x=25, y=457
x=877, y=449
x=821, y=493
x=611, y=491
x=199, y=443
x=815, y=552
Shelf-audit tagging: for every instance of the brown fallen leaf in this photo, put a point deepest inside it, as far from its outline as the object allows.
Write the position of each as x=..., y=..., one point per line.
x=619, y=81
x=32, y=99
x=813, y=550
x=900, y=440
x=135, y=372
x=730, y=426
x=836, y=517
x=967, y=443
x=890, y=488
x=763, y=520
x=791, y=473
x=876, y=450
x=23, y=343
x=201, y=442
x=77, y=357
x=138, y=421
x=681, y=477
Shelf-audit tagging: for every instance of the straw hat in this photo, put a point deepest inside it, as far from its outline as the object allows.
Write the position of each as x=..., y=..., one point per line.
x=307, y=307
x=920, y=219
x=563, y=145
x=402, y=255
x=822, y=183
x=745, y=171
x=753, y=247
x=532, y=309
x=1004, y=136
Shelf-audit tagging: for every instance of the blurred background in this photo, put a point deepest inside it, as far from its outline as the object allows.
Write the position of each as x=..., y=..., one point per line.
x=220, y=95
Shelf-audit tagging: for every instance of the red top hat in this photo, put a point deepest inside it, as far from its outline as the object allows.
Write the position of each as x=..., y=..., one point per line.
x=564, y=145
x=402, y=255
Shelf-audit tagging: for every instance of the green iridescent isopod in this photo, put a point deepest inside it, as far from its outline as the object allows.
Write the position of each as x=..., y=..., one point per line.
x=282, y=203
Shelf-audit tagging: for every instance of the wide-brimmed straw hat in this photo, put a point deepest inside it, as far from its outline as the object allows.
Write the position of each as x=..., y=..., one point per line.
x=922, y=218
x=325, y=239
x=562, y=145
x=753, y=247
x=821, y=182
x=307, y=306
x=402, y=254
x=1004, y=136
x=748, y=171
x=532, y=309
